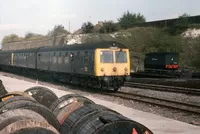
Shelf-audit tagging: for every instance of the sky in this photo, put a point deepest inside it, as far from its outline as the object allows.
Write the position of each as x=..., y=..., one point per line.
x=39, y=16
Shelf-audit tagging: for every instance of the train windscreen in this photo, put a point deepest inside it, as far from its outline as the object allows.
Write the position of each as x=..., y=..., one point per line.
x=121, y=57
x=106, y=57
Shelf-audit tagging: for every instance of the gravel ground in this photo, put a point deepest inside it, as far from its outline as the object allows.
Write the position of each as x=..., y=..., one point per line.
x=165, y=95
x=165, y=112
x=190, y=83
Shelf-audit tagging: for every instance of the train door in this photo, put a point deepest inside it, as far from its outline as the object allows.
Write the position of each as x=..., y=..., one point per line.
x=86, y=62
x=49, y=61
x=12, y=59
x=26, y=59
x=72, y=62
x=91, y=62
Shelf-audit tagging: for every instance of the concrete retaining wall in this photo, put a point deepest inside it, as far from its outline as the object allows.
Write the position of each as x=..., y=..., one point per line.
x=52, y=41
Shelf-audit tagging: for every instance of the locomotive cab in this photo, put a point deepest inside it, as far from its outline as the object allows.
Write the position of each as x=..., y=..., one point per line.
x=112, y=66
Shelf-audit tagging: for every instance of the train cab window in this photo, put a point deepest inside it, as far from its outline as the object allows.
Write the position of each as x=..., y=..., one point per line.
x=106, y=57
x=121, y=57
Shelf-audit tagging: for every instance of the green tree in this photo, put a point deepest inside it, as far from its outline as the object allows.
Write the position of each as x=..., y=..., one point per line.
x=87, y=27
x=10, y=38
x=58, y=30
x=109, y=27
x=129, y=19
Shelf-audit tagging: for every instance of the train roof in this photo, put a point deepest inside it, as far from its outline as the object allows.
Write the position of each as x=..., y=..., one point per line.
x=28, y=50
x=8, y=51
x=21, y=50
x=94, y=45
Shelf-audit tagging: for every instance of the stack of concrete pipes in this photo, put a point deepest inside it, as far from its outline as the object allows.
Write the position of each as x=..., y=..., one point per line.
x=38, y=110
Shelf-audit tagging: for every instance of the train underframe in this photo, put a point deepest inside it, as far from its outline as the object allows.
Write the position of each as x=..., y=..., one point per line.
x=101, y=82
x=172, y=73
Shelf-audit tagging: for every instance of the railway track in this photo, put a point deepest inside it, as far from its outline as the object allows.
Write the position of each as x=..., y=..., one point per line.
x=186, y=107
x=164, y=88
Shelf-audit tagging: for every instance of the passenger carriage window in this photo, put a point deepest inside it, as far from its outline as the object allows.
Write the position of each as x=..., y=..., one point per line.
x=60, y=54
x=38, y=56
x=66, y=59
x=78, y=57
x=26, y=56
x=66, y=54
x=86, y=53
x=54, y=58
x=86, y=58
x=121, y=57
x=106, y=57
x=73, y=57
x=60, y=58
x=78, y=54
x=23, y=56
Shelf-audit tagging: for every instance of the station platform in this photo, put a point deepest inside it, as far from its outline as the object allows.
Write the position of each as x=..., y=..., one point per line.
x=157, y=124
